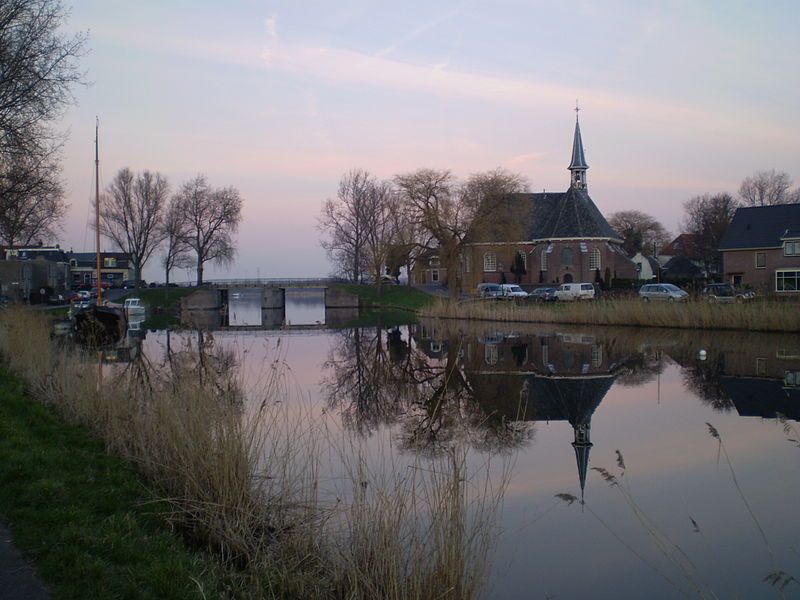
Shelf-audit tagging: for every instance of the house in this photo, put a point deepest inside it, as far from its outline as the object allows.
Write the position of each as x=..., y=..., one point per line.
x=647, y=267
x=761, y=248
x=428, y=269
x=684, y=245
x=49, y=267
x=115, y=267
x=556, y=237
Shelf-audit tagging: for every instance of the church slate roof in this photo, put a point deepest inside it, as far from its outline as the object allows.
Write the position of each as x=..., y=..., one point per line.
x=539, y=216
x=760, y=226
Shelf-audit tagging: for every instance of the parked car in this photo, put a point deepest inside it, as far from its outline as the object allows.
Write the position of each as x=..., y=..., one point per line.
x=489, y=290
x=576, y=291
x=545, y=294
x=512, y=290
x=83, y=295
x=662, y=291
x=722, y=293
x=5, y=301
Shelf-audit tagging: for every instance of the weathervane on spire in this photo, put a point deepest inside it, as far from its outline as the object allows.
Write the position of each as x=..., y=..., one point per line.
x=577, y=109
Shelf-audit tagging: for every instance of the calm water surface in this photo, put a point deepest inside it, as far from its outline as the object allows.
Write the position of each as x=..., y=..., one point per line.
x=686, y=515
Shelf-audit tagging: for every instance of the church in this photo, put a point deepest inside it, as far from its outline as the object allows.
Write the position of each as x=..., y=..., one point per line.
x=545, y=238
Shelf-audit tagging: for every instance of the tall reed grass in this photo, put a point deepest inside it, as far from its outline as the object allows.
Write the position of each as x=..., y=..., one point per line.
x=762, y=315
x=241, y=473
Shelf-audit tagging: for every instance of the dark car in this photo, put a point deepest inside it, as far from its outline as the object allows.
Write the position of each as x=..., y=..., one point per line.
x=5, y=301
x=546, y=294
x=722, y=293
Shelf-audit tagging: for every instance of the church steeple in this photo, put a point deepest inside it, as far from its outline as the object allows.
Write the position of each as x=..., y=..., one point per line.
x=582, y=445
x=578, y=165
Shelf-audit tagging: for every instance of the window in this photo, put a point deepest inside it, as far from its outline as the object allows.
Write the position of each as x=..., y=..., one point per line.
x=435, y=261
x=791, y=248
x=787, y=281
x=490, y=261
x=467, y=263
x=566, y=256
x=597, y=356
x=110, y=262
x=435, y=275
x=490, y=354
x=761, y=367
x=761, y=260
x=792, y=379
x=524, y=258
x=544, y=260
x=594, y=259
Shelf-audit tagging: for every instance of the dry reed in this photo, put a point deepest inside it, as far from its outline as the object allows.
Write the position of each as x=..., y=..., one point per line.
x=761, y=315
x=241, y=474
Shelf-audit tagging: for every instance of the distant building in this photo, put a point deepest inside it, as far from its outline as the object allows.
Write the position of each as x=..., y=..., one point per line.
x=557, y=237
x=428, y=269
x=647, y=267
x=761, y=248
x=115, y=268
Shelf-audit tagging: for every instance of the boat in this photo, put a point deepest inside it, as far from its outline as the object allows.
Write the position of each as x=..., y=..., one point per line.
x=134, y=309
x=98, y=324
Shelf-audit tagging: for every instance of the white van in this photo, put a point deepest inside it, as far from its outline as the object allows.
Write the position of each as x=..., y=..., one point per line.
x=575, y=291
x=512, y=290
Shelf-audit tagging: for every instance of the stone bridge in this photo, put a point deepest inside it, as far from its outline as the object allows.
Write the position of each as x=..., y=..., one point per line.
x=214, y=296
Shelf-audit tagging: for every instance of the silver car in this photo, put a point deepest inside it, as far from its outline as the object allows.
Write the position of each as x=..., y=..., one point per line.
x=662, y=291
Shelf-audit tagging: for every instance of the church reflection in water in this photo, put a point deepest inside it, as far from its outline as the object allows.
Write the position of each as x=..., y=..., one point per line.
x=490, y=387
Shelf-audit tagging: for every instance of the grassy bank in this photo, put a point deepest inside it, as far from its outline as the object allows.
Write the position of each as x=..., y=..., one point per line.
x=401, y=297
x=236, y=470
x=83, y=517
x=762, y=315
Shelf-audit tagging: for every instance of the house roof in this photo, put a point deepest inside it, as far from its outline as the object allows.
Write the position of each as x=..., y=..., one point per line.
x=682, y=268
x=761, y=226
x=683, y=245
x=759, y=397
x=540, y=216
x=88, y=258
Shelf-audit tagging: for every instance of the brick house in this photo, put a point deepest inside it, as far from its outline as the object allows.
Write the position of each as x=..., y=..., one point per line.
x=428, y=269
x=761, y=249
x=560, y=237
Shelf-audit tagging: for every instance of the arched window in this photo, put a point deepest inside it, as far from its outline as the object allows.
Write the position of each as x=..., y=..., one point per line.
x=544, y=260
x=490, y=261
x=524, y=258
x=594, y=259
x=566, y=256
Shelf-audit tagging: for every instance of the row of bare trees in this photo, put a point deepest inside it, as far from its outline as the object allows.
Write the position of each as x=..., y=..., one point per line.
x=38, y=69
x=194, y=226
x=374, y=224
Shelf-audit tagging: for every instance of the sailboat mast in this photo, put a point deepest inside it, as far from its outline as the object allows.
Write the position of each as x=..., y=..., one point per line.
x=97, y=209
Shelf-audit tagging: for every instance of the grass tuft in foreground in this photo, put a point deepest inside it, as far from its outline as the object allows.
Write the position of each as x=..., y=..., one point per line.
x=84, y=517
x=237, y=472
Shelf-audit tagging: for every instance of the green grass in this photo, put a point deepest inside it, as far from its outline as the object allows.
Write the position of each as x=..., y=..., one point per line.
x=392, y=296
x=83, y=518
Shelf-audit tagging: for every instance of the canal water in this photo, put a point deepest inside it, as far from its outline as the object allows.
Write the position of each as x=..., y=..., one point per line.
x=640, y=463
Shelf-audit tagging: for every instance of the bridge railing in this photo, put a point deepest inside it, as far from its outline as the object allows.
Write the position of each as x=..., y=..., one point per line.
x=275, y=282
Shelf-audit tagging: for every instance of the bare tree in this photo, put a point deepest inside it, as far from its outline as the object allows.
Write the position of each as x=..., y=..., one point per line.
x=639, y=231
x=31, y=198
x=212, y=218
x=766, y=188
x=174, y=231
x=444, y=210
x=131, y=215
x=707, y=218
x=344, y=224
x=381, y=207
x=38, y=68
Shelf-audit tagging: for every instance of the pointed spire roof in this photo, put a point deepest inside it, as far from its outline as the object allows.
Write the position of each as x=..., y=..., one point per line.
x=578, y=157
x=582, y=456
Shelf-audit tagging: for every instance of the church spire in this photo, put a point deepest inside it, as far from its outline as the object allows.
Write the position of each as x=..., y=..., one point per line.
x=578, y=165
x=582, y=445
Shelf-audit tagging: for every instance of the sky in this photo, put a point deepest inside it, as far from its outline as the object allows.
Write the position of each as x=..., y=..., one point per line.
x=279, y=99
